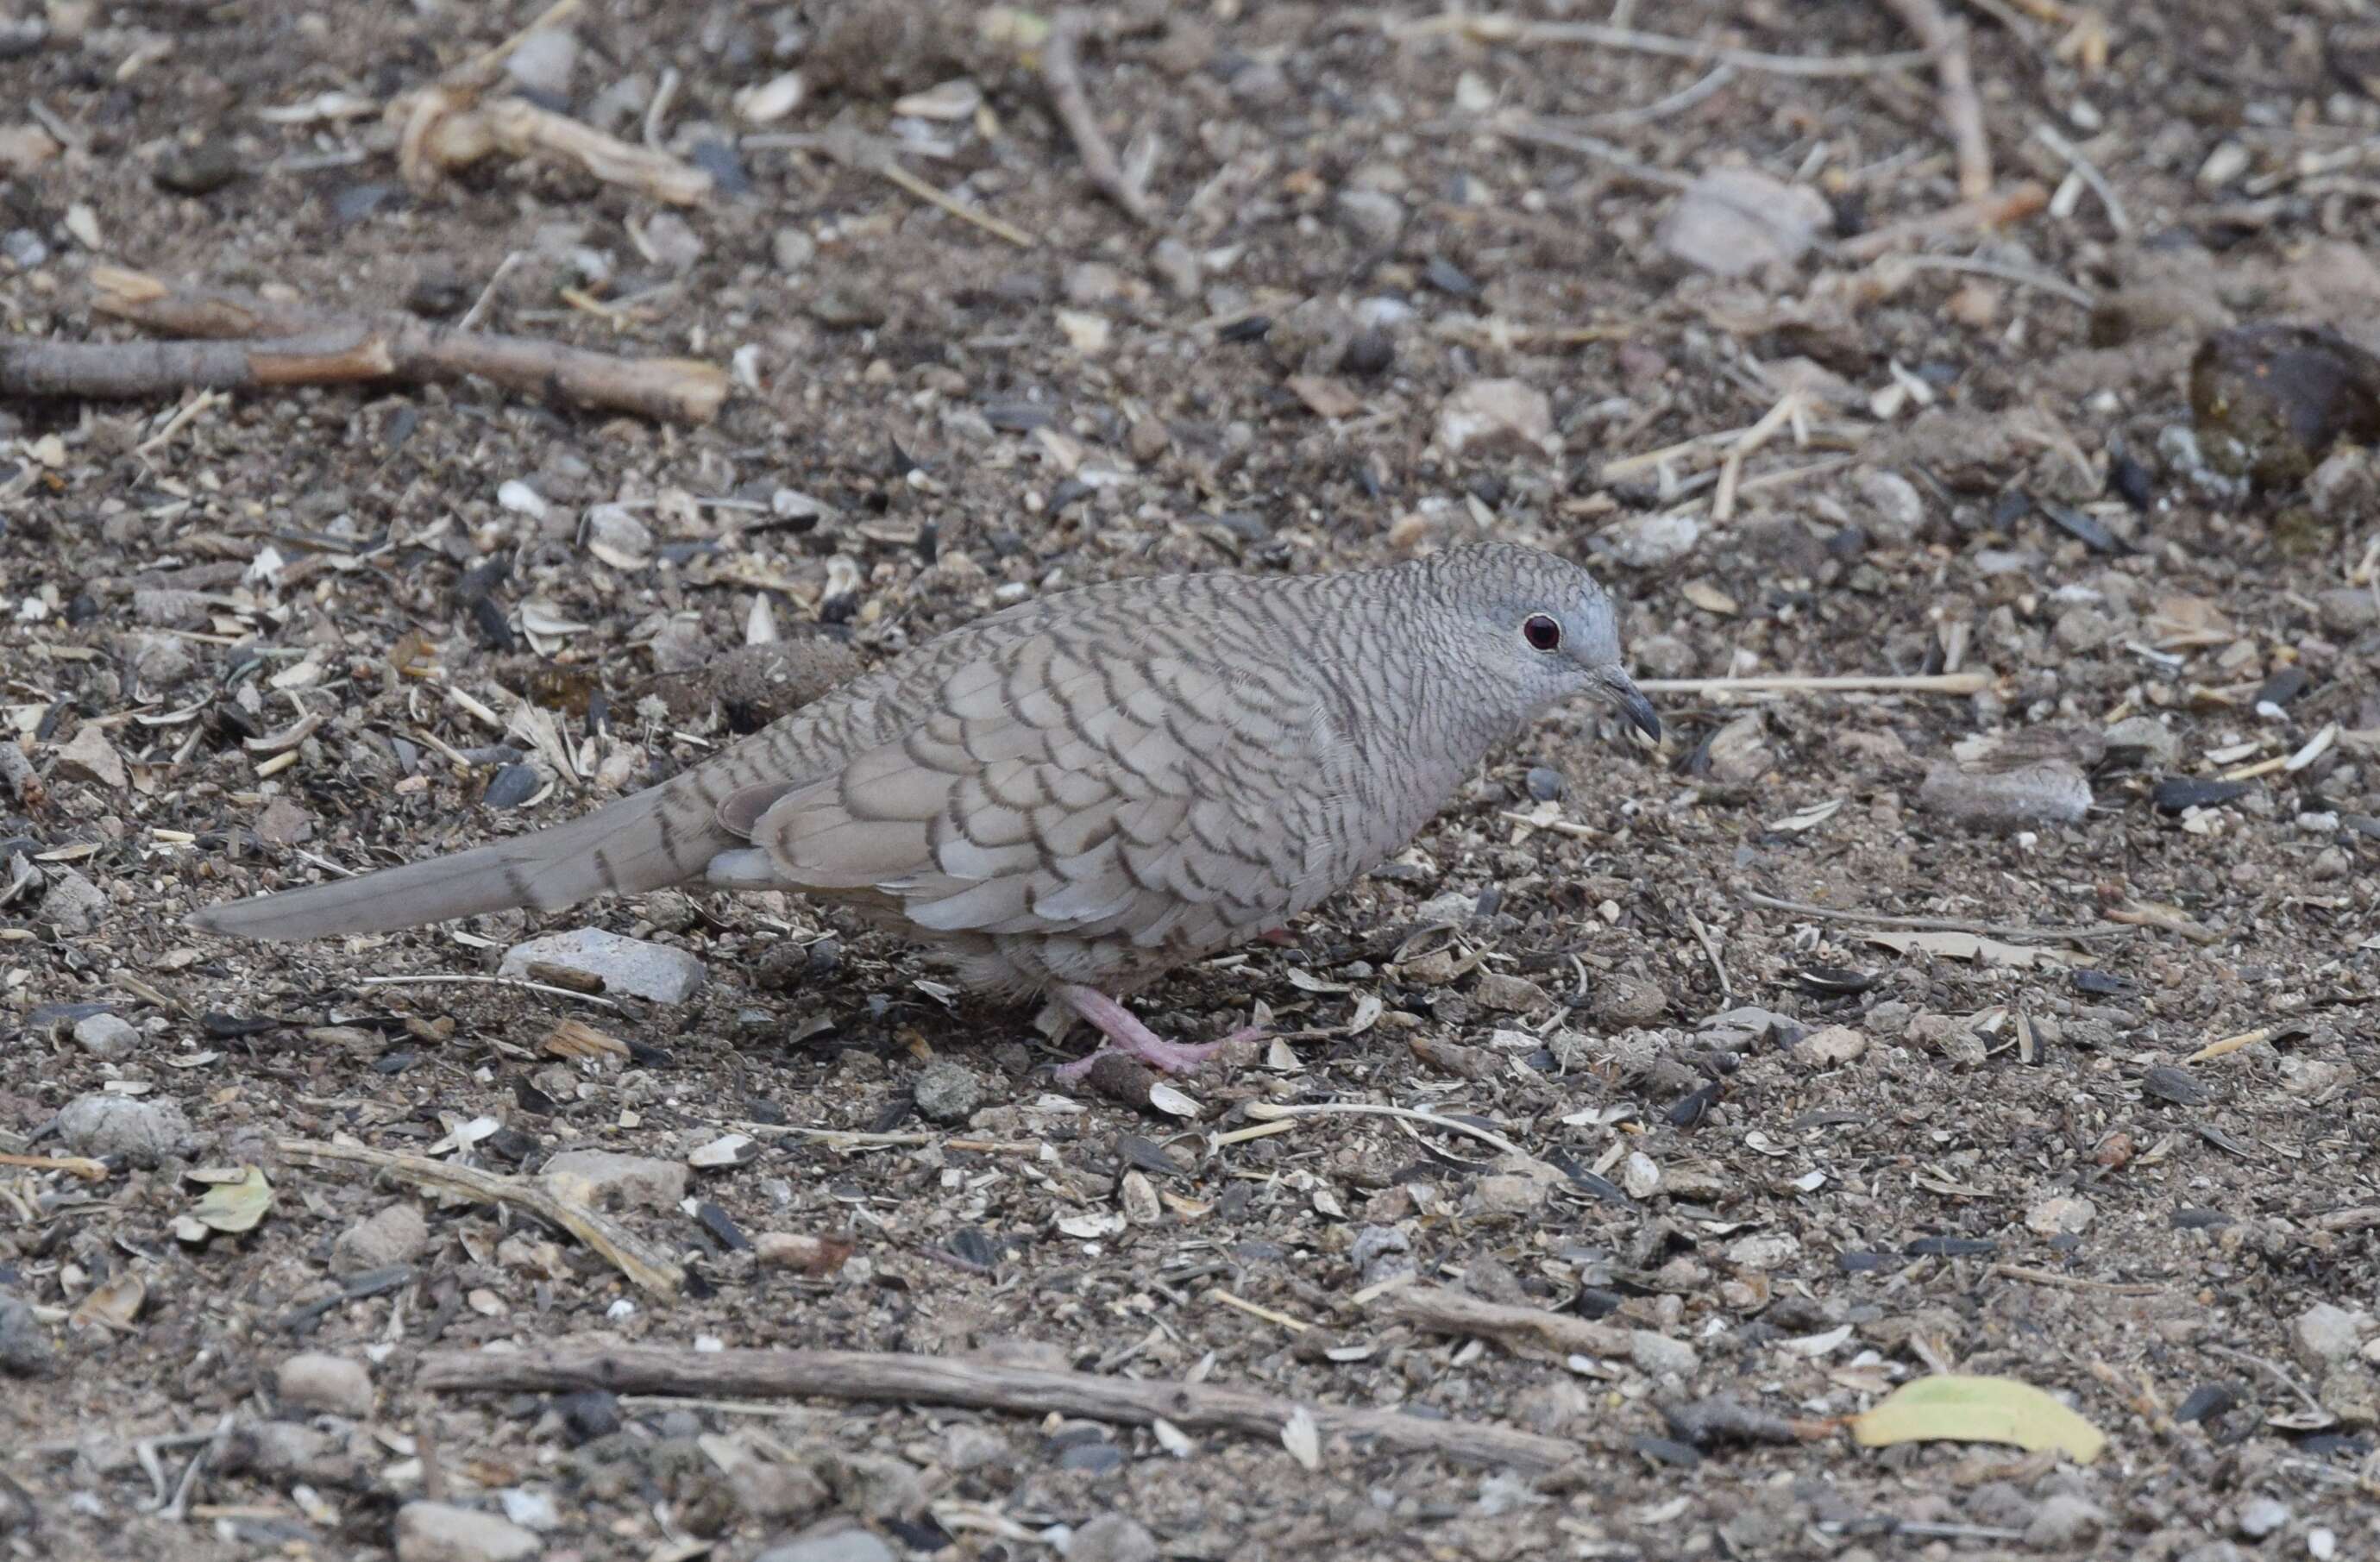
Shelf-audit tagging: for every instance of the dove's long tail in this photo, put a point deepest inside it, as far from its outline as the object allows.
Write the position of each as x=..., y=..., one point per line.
x=662, y=836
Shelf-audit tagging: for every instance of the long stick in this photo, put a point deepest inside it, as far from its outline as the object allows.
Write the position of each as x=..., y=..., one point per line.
x=1971, y=683
x=867, y=1378
x=649, y=1268
x=266, y=343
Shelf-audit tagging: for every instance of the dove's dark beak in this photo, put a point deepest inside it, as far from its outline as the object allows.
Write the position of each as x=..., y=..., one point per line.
x=1630, y=701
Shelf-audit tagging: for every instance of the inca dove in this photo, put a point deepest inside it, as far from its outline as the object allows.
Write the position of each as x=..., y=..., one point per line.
x=1081, y=793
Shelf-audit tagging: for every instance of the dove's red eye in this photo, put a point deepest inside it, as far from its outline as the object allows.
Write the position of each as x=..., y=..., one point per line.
x=1542, y=633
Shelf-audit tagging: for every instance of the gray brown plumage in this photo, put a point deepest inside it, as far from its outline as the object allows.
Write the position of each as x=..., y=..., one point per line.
x=1083, y=791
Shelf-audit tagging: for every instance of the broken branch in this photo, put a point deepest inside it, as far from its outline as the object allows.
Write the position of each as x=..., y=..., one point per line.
x=867, y=1378
x=1061, y=74
x=286, y=343
x=642, y=1264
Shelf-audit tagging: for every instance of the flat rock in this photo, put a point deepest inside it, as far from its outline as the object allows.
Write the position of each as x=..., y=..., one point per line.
x=605, y=1179
x=106, y=1036
x=2324, y=1333
x=1731, y=221
x=844, y=1544
x=630, y=966
x=395, y=1235
x=2047, y=791
x=72, y=903
x=1494, y=414
x=439, y=1531
x=315, y=1380
x=1112, y=1537
x=143, y=1132
x=88, y=756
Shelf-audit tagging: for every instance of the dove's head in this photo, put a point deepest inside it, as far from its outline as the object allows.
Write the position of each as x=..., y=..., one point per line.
x=1545, y=629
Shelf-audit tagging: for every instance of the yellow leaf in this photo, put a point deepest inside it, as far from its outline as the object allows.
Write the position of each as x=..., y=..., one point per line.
x=1959, y=1408
x=235, y=1207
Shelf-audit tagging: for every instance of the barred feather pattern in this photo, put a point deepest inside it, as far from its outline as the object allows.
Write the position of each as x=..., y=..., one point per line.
x=1094, y=787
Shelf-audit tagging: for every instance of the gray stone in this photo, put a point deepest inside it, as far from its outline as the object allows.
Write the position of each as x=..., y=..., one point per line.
x=439, y=1531
x=947, y=1091
x=72, y=904
x=1656, y=1355
x=604, y=1179
x=2324, y=1333
x=839, y=1544
x=1375, y=216
x=624, y=965
x=1112, y=1537
x=2262, y=1516
x=2144, y=743
x=2047, y=791
x=143, y=1132
x=105, y=1035
x=2064, y=1522
x=315, y=1380
x=2347, y=609
x=1487, y=415
x=395, y=1235
x=1652, y=541
x=25, y=1346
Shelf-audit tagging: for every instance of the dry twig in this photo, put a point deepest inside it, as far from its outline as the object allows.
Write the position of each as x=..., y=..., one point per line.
x=1484, y=28
x=1526, y=1330
x=1990, y=210
x=1061, y=72
x=630, y=1255
x=444, y=129
x=1961, y=109
x=867, y=1377
x=250, y=343
x=1970, y=683
x=1933, y=924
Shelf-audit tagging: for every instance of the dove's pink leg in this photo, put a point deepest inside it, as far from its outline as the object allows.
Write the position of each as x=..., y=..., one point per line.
x=1126, y=1034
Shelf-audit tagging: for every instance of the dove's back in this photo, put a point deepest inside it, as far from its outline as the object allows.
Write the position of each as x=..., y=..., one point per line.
x=1170, y=757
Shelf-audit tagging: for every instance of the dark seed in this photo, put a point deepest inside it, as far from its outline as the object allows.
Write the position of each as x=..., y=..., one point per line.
x=1449, y=278
x=2168, y=1084
x=512, y=786
x=1250, y=328
x=2176, y=792
x=1545, y=783
x=2283, y=686
x=2100, y=984
x=2131, y=483
x=2084, y=528
x=2206, y=1401
x=2188, y=1219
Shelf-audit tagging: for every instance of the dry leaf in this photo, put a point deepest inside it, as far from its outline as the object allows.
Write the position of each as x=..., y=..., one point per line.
x=113, y=1305
x=1810, y=818
x=1974, y=947
x=1956, y=1407
x=237, y=1199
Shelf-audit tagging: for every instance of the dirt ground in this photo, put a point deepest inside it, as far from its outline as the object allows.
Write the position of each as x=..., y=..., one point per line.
x=249, y=640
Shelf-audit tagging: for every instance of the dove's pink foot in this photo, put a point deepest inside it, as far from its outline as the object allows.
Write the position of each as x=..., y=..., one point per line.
x=1126, y=1034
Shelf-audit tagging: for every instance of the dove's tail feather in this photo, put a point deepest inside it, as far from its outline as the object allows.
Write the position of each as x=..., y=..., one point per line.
x=662, y=836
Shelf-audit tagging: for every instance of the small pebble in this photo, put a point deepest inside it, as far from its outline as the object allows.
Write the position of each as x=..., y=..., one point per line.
x=437, y=1532
x=25, y=1347
x=143, y=1132
x=315, y=1380
x=606, y=1179
x=1112, y=1537
x=395, y=1235
x=631, y=966
x=104, y=1036
x=947, y=1091
x=841, y=1543
x=2261, y=1517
